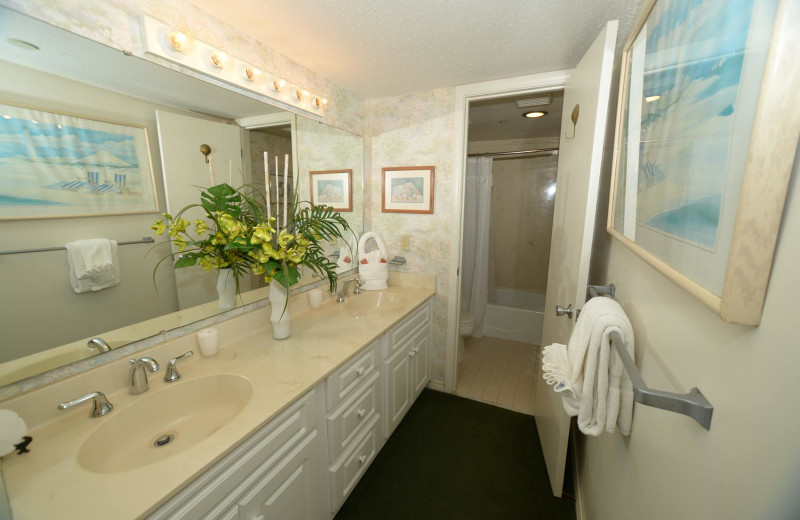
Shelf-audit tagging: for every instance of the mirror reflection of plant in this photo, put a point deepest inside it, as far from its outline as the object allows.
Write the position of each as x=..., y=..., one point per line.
x=241, y=236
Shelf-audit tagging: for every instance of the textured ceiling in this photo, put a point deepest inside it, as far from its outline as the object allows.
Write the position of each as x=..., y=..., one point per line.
x=378, y=48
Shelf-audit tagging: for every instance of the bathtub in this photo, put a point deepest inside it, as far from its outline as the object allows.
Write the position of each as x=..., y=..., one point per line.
x=516, y=315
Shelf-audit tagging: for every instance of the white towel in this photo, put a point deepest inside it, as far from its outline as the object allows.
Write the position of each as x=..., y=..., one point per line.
x=12, y=429
x=374, y=274
x=93, y=264
x=589, y=374
x=348, y=256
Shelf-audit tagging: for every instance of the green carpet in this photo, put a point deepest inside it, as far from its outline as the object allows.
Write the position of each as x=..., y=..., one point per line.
x=454, y=458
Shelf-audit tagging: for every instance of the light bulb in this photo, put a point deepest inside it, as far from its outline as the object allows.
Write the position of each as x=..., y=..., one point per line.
x=252, y=73
x=301, y=93
x=178, y=40
x=219, y=58
x=278, y=84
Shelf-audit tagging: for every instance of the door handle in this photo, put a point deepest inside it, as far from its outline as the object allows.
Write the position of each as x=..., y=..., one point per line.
x=560, y=311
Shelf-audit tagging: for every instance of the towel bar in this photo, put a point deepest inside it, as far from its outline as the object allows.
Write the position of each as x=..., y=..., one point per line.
x=694, y=404
x=144, y=240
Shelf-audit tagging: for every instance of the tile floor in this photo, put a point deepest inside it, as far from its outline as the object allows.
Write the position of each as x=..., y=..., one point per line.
x=499, y=372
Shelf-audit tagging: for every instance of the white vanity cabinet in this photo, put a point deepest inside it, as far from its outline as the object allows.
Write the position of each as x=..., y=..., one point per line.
x=406, y=364
x=274, y=474
x=354, y=408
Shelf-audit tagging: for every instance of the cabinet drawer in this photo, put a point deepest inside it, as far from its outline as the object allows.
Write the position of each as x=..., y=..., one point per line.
x=349, y=377
x=345, y=475
x=345, y=422
x=214, y=488
x=402, y=330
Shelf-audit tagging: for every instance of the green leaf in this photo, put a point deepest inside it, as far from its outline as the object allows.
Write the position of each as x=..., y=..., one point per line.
x=188, y=260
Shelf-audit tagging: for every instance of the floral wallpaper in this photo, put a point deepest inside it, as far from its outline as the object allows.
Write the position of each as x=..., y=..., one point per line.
x=116, y=23
x=415, y=130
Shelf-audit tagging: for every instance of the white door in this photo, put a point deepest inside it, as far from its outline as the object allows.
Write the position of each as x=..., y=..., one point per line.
x=185, y=169
x=579, y=163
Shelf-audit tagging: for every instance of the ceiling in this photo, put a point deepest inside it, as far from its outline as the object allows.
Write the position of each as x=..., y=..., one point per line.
x=500, y=118
x=377, y=48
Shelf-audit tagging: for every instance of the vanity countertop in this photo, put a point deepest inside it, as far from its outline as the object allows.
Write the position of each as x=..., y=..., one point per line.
x=49, y=482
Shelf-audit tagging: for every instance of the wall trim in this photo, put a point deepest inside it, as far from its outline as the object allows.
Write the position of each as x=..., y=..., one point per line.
x=436, y=385
x=464, y=95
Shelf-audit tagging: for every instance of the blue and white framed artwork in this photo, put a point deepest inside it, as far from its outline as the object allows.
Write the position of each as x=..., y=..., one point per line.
x=55, y=165
x=691, y=81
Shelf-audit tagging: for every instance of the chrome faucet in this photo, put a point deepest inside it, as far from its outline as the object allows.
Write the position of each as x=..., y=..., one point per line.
x=138, y=378
x=99, y=344
x=172, y=371
x=343, y=292
x=100, y=405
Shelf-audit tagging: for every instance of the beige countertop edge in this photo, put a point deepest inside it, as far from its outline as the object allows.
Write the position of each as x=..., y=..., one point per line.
x=49, y=480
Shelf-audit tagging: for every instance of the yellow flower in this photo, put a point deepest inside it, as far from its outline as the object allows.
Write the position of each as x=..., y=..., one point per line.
x=301, y=240
x=178, y=226
x=219, y=240
x=261, y=234
x=206, y=263
x=180, y=242
x=258, y=269
x=294, y=256
x=268, y=250
x=230, y=226
x=285, y=238
x=200, y=227
x=159, y=227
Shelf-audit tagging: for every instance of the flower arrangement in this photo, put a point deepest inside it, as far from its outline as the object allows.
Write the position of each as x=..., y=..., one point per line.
x=241, y=235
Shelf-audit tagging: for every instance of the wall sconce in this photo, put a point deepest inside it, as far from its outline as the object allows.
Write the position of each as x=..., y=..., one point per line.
x=219, y=58
x=178, y=40
x=252, y=73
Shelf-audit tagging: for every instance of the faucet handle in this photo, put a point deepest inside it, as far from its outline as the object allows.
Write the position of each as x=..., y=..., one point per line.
x=100, y=404
x=357, y=290
x=172, y=373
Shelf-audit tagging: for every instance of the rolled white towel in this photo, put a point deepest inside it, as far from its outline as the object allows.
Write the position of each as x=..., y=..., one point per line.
x=93, y=264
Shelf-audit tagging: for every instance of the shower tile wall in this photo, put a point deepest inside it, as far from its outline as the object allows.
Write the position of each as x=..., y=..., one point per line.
x=523, y=195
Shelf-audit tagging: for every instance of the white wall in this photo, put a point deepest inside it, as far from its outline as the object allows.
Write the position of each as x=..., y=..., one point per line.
x=748, y=465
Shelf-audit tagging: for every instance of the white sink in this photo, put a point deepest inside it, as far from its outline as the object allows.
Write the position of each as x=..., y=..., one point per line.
x=190, y=411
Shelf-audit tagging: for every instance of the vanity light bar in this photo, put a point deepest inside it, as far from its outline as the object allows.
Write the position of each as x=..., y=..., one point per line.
x=178, y=47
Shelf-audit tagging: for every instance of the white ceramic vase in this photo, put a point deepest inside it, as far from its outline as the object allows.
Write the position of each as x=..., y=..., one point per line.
x=280, y=317
x=226, y=288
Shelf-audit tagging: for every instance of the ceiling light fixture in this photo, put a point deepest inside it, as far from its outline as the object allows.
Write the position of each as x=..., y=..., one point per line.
x=534, y=114
x=650, y=99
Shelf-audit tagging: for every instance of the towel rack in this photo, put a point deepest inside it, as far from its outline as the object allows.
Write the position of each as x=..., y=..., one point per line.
x=693, y=404
x=144, y=240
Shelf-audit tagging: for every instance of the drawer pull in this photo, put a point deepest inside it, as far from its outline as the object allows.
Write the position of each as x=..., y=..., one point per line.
x=362, y=412
x=412, y=353
x=362, y=459
x=360, y=371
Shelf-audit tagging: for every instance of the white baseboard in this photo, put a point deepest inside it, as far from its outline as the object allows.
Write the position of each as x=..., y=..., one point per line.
x=436, y=385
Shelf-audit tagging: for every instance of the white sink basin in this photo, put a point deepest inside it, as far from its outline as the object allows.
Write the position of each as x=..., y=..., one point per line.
x=190, y=411
x=369, y=302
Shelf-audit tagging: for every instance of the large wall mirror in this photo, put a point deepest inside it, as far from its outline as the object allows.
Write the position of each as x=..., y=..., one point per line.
x=46, y=324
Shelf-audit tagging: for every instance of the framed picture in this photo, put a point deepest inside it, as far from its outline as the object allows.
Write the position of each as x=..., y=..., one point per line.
x=59, y=165
x=332, y=188
x=705, y=143
x=408, y=189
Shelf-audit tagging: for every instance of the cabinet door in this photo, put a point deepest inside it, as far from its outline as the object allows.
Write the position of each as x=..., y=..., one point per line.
x=420, y=359
x=290, y=491
x=398, y=387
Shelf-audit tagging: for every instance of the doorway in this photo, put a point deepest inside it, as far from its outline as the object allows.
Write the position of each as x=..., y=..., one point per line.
x=466, y=97
x=509, y=193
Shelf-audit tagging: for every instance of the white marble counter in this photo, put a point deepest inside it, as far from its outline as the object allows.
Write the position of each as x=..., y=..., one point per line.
x=49, y=482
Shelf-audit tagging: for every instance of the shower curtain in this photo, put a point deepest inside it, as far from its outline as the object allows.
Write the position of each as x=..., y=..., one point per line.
x=476, y=244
